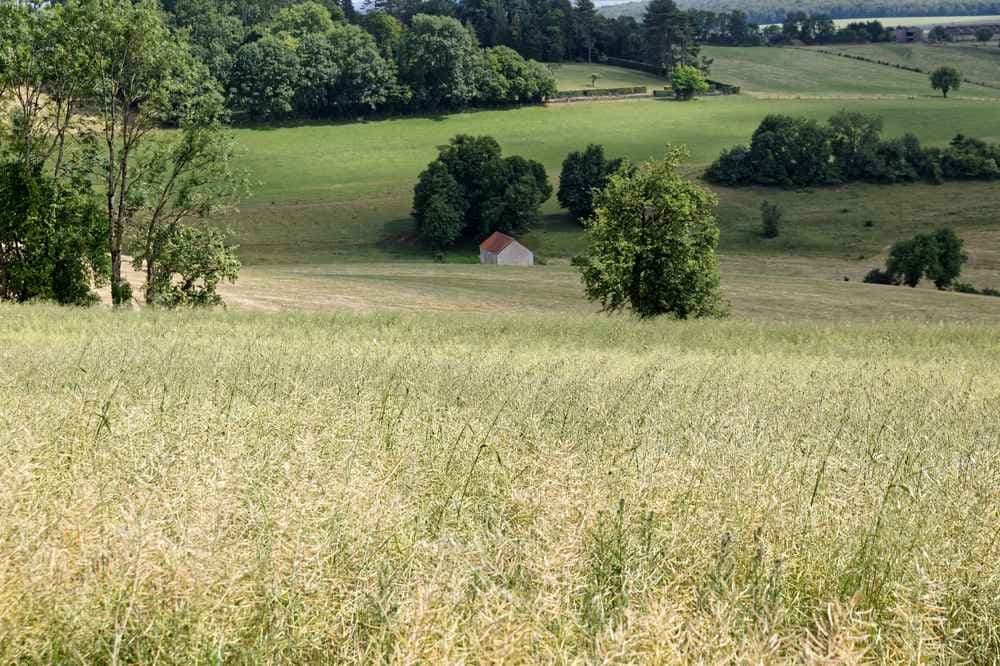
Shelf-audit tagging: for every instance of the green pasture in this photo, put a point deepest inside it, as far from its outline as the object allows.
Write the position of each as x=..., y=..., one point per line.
x=978, y=62
x=807, y=73
x=577, y=76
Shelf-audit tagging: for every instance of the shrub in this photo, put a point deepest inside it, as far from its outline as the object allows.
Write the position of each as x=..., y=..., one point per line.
x=732, y=167
x=770, y=219
x=879, y=276
x=687, y=81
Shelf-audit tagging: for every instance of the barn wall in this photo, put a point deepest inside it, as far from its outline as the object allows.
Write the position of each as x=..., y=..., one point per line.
x=487, y=257
x=516, y=254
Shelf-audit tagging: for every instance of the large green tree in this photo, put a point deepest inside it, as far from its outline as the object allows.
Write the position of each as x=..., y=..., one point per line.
x=439, y=59
x=651, y=244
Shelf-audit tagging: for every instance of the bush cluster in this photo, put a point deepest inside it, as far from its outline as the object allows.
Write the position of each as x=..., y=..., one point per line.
x=799, y=152
x=937, y=256
x=470, y=191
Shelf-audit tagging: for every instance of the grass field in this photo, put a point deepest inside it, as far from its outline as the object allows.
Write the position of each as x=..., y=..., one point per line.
x=792, y=72
x=576, y=76
x=212, y=487
x=976, y=62
x=893, y=21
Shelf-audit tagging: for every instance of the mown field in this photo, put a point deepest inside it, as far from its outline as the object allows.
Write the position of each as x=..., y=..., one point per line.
x=212, y=487
x=577, y=76
x=977, y=62
x=807, y=73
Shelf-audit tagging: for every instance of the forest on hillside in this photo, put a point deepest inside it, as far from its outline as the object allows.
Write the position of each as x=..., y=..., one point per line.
x=773, y=11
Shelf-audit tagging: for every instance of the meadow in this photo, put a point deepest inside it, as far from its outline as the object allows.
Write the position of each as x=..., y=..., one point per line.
x=225, y=487
x=977, y=62
x=577, y=76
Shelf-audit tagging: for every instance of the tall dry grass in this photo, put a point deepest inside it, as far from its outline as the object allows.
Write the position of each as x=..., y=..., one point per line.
x=187, y=488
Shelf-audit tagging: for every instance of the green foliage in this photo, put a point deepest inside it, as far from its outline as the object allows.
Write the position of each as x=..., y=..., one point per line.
x=669, y=35
x=854, y=141
x=471, y=190
x=984, y=34
x=507, y=78
x=386, y=30
x=798, y=152
x=264, y=78
x=938, y=34
x=583, y=175
x=968, y=158
x=438, y=206
x=651, y=244
x=687, y=81
x=770, y=219
x=52, y=237
x=439, y=59
x=192, y=262
x=304, y=18
x=215, y=34
x=732, y=167
x=946, y=79
x=938, y=256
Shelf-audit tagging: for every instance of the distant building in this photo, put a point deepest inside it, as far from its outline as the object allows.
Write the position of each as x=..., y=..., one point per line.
x=502, y=249
x=908, y=35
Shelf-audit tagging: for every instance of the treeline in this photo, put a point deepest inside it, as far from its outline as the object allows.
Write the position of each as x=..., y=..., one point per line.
x=309, y=59
x=774, y=11
x=801, y=152
x=321, y=58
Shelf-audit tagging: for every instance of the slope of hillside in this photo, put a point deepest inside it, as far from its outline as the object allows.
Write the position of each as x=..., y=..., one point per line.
x=976, y=62
x=798, y=72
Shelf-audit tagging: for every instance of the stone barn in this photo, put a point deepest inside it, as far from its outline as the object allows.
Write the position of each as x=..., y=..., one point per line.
x=502, y=249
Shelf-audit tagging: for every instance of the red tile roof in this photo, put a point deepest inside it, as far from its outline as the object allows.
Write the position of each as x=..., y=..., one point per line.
x=496, y=243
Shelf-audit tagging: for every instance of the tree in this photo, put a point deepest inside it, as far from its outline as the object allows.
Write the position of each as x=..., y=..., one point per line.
x=387, y=31
x=770, y=219
x=651, y=244
x=854, y=140
x=439, y=59
x=52, y=237
x=264, y=78
x=945, y=79
x=146, y=79
x=585, y=17
x=938, y=34
x=438, y=206
x=938, y=256
x=305, y=18
x=790, y=152
x=668, y=34
x=583, y=175
x=47, y=67
x=507, y=78
x=984, y=34
x=471, y=191
x=687, y=81
x=522, y=188
x=214, y=33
